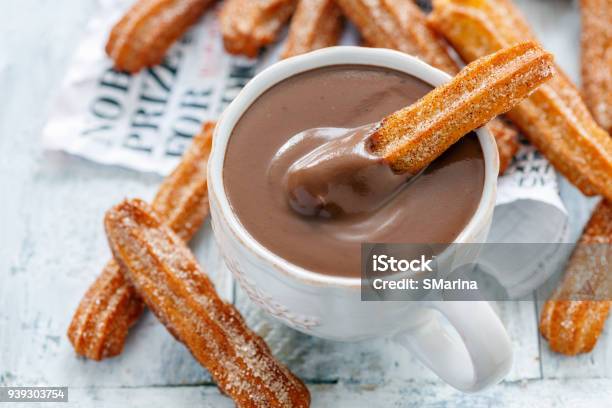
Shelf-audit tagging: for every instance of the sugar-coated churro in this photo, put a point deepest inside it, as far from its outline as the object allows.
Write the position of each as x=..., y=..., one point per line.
x=413, y=137
x=570, y=324
x=597, y=59
x=169, y=280
x=315, y=24
x=144, y=34
x=104, y=316
x=248, y=25
x=398, y=25
x=111, y=306
x=554, y=118
x=401, y=25
x=375, y=160
x=507, y=141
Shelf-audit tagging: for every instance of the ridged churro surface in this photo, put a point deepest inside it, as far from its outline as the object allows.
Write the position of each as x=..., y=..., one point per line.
x=413, y=137
x=507, y=140
x=144, y=34
x=398, y=25
x=110, y=306
x=401, y=25
x=315, y=24
x=554, y=118
x=248, y=25
x=569, y=321
x=596, y=41
x=169, y=280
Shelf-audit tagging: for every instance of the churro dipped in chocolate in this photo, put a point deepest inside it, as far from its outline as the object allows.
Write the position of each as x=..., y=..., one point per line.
x=401, y=25
x=315, y=24
x=110, y=306
x=596, y=44
x=144, y=34
x=574, y=317
x=363, y=170
x=554, y=118
x=176, y=289
x=413, y=137
x=248, y=25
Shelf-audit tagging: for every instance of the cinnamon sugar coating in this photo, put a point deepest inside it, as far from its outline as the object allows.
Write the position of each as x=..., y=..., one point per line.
x=596, y=41
x=144, y=34
x=398, y=25
x=110, y=306
x=573, y=326
x=180, y=294
x=506, y=138
x=554, y=118
x=315, y=24
x=413, y=137
x=402, y=26
x=248, y=25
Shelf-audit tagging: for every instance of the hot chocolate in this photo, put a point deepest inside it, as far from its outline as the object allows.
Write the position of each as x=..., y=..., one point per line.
x=311, y=109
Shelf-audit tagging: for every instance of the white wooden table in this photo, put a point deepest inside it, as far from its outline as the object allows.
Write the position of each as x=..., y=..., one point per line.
x=52, y=245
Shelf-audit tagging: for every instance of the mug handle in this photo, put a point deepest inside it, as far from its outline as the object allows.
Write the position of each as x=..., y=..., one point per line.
x=483, y=355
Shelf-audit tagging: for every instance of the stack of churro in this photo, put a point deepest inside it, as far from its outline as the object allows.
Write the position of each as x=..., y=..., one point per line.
x=145, y=33
x=398, y=25
x=558, y=123
x=111, y=306
x=402, y=26
x=153, y=266
x=554, y=118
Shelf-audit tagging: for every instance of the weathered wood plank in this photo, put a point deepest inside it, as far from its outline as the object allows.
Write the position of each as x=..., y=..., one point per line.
x=400, y=394
x=588, y=393
x=520, y=322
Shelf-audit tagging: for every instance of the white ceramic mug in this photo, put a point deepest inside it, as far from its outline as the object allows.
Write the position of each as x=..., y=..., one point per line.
x=331, y=306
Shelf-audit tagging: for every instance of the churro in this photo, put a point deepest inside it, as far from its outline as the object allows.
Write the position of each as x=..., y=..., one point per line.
x=554, y=118
x=398, y=25
x=375, y=160
x=248, y=25
x=111, y=306
x=144, y=34
x=507, y=140
x=570, y=324
x=315, y=24
x=597, y=59
x=413, y=137
x=401, y=25
x=169, y=280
